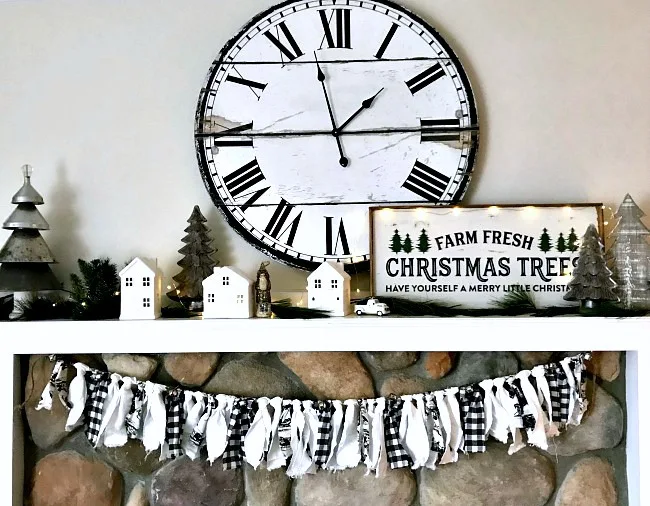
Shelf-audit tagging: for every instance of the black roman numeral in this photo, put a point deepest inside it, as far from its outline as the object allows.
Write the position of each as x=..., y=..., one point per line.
x=276, y=227
x=252, y=85
x=330, y=247
x=341, y=19
x=426, y=182
x=389, y=37
x=222, y=142
x=424, y=79
x=437, y=130
x=295, y=50
x=244, y=178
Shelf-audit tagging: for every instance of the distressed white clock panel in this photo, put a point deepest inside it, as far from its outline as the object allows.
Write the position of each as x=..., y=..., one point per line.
x=281, y=131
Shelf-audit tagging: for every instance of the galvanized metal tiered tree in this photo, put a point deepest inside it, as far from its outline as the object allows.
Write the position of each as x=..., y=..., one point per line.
x=592, y=281
x=25, y=257
x=196, y=263
x=630, y=255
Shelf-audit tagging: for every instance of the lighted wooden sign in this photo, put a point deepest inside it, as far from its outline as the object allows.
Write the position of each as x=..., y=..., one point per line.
x=474, y=255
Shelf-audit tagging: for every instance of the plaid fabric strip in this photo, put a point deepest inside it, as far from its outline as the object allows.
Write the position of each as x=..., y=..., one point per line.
x=472, y=410
x=558, y=386
x=395, y=453
x=133, y=419
x=174, y=426
x=324, y=439
x=97, y=387
x=241, y=418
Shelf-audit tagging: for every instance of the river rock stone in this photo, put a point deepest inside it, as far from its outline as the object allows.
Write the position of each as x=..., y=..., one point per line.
x=490, y=478
x=47, y=427
x=248, y=377
x=353, y=487
x=529, y=359
x=601, y=426
x=191, y=369
x=138, y=496
x=184, y=482
x=475, y=366
x=437, y=364
x=331, y=375
x=125, y=364
x=132, y=458
x=391, y=360
x=67, y=478
x=266, y=488
x=590, y=482
x=605, y=364
x=399, y=384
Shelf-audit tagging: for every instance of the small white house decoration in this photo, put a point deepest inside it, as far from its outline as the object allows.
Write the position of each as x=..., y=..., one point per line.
x=141, y=289
x=328, y=289
x=227, y=293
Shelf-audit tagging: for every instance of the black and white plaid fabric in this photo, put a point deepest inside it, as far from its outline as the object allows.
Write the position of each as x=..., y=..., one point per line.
x=324, y=438
x=97, y=389
x=241, y=418
x=558, y=386
x=174, y=426
x=395, y=453
x=133, y=420
x=472, y=409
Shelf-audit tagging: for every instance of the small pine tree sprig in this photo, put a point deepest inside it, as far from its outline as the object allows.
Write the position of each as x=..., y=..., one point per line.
x=517, y=301
x=283, y=309
x=96, y=292
x=50, y=307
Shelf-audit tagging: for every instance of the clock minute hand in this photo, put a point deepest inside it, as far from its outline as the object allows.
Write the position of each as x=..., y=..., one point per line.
x=321, y=77
x=366, y=104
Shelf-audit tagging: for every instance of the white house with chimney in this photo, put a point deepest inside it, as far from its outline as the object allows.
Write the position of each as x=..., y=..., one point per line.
x=140, y=290
x=227, y=293
x=328, y=289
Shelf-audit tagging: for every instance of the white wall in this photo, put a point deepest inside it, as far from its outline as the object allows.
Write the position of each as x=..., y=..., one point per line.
x=100, y=96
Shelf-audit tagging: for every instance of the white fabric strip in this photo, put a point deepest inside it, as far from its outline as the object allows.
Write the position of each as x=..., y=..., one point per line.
x=348, y=451
x=301, y=462
x=110, y=406
x=416, y=440
x=337, y=429
x=115, y=432
x=456, y=438
x=194, y=418
x=77, y=397
x=155, y=420
x=275, y=458
x=256, y=440
x=216, y=430
x=445, y=420
x=376, y=419
x=514, y=422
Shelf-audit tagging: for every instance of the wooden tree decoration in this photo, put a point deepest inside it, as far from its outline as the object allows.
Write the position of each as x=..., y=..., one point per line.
x=630, y=255
x=196, y=263
x=592, y=281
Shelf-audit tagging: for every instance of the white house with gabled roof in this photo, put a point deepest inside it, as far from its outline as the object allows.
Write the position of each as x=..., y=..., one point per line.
x=140, y=290
x=227, y=293
x=328, y=289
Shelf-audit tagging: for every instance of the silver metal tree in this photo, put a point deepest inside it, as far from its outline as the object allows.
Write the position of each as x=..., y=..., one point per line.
x=25, y=257
x=629, y=255
x=592, y=281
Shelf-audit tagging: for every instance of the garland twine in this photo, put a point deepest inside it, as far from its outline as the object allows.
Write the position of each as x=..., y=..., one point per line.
x=421, y=430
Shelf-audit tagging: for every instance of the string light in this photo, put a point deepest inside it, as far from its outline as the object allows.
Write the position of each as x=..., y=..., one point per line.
x=117, y=293
x=493, y=210
x=456, y=211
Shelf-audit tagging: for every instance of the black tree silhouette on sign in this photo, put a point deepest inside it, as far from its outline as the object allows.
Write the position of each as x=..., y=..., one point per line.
x=572, y=242
x=408, y=245
x=396, y=242
x=423, y=242
x=560, y=245
x=545, y=242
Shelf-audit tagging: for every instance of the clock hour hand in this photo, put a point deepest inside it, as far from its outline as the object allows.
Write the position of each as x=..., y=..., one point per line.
x=321, y=77
x=366, y=104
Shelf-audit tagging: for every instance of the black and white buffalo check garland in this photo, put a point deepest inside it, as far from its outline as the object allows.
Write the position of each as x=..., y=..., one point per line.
x=391, y=430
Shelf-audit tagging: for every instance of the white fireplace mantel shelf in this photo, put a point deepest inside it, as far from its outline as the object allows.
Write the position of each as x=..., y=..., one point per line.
x=332, y=334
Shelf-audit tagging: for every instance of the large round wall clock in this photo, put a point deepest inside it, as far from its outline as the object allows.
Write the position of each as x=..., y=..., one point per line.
x=320, y=109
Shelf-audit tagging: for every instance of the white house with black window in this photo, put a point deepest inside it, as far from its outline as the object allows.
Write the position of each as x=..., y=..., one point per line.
x=141, y=290
x=328, y=288
x=227, y=293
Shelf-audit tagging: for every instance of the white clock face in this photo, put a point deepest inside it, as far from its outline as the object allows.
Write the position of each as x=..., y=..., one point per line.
x=320, y=109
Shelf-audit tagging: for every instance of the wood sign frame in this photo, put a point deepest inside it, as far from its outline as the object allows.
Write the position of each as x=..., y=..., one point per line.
x=482, y=263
